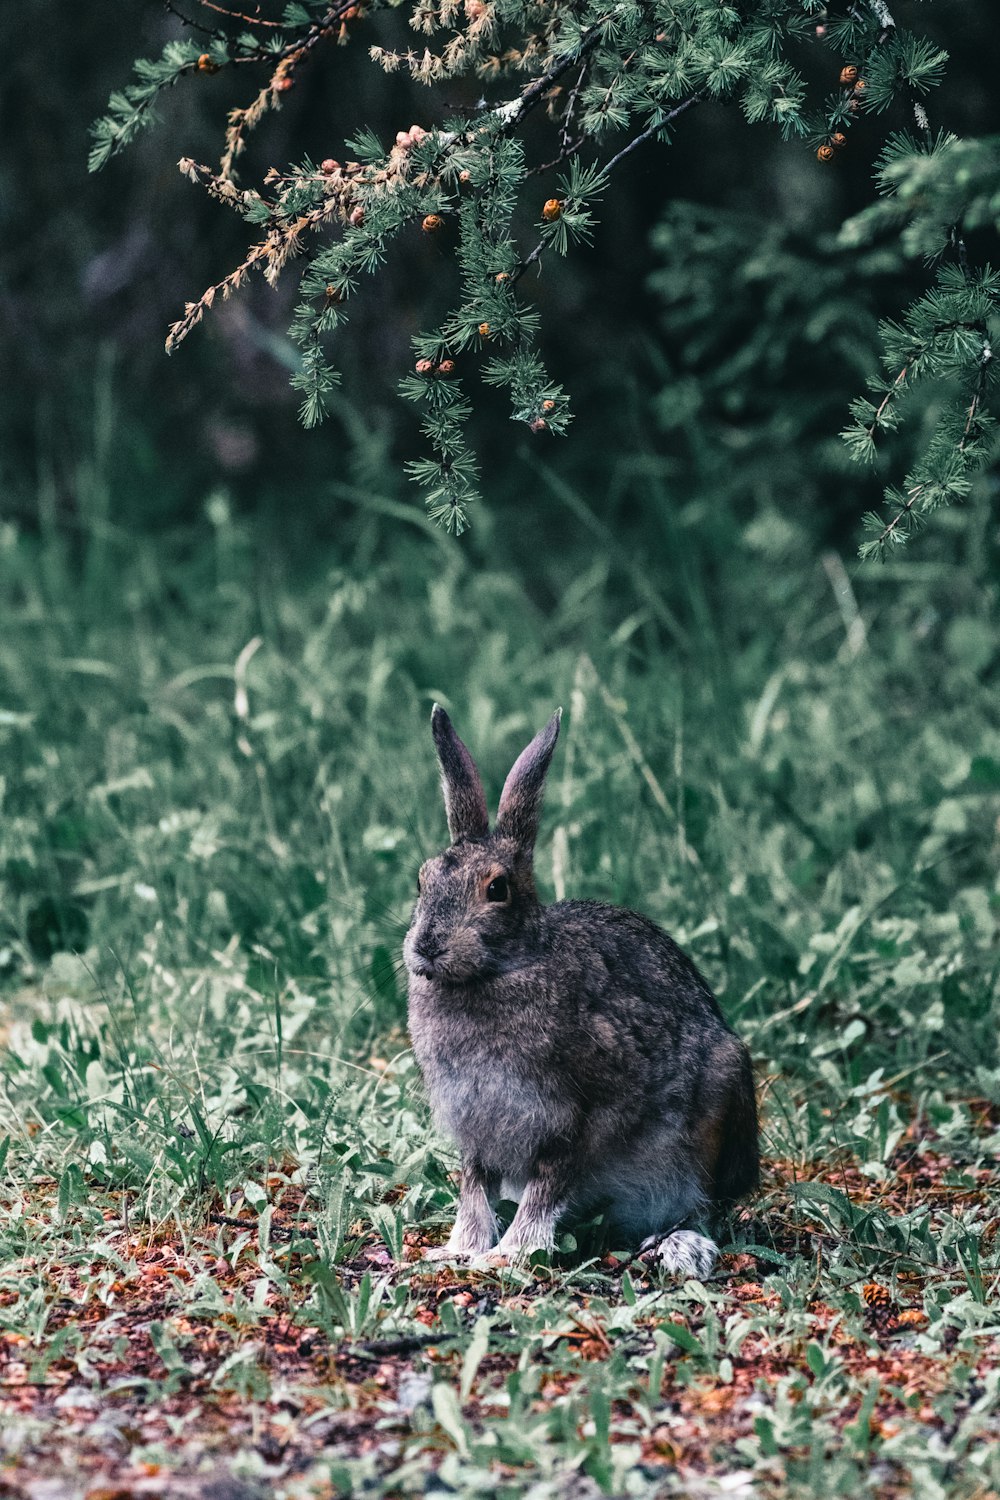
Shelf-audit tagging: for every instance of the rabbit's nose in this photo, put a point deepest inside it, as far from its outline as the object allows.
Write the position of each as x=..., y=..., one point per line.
x=428, y=949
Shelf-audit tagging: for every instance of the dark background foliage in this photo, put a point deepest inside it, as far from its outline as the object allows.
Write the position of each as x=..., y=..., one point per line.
x=720, y=351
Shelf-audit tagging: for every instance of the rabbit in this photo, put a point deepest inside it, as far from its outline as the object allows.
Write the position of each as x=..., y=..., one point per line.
x=573, y=1051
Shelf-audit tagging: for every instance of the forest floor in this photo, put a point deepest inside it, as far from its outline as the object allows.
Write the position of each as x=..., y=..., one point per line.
x=185, y=1359
x=217, y=1167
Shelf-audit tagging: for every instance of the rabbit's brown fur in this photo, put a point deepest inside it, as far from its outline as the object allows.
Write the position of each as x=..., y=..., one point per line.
x=573, y=1051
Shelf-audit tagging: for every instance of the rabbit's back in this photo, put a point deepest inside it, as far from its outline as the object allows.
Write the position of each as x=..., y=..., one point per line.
x=660, y=1066
x=645, y=966
x=634, y=1003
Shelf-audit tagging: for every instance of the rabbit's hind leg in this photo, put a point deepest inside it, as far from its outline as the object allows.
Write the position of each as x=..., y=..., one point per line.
x=682, y=1252
x=658, y=1195
x=725, y=1138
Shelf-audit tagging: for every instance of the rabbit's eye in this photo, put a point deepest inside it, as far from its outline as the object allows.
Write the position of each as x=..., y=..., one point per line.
x=498, y=889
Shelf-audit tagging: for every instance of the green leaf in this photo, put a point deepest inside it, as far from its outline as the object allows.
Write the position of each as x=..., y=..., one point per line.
x=474, y=1355
x=682, y=1337
x=448, y=1415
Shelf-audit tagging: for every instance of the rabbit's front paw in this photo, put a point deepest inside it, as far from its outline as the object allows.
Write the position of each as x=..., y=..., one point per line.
x=517, y=1244
x=466, y=1242
x=682, y=1253
x=442, y=1252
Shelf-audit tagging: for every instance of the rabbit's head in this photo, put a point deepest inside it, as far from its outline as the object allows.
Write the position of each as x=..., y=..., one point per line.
x=477, y=907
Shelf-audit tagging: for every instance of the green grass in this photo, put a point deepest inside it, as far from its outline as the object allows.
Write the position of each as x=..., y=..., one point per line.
x=217, y=1160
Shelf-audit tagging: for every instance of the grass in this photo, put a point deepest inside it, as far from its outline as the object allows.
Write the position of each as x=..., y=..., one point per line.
x=218, y=1167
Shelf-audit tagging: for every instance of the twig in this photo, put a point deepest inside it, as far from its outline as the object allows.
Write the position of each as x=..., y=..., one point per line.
x=985, y=360
x=174, y=10
x=283, y=240
x=516, y=109
x=405, y=1344
x=570, y=150
x=889, y=396
x=884, y=17
x=529, y=260
x=882, y=1250
x=567, y=119
x=239, y=15
x=318, y=31
x=652, y=130
x=410, y=1343
x=286, y=60
x=277, y=1231
x=638, y=140
x=939, y=328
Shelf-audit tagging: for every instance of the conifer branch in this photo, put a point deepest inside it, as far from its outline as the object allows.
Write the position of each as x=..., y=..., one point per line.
x=515, y=111
x=889, y=397
x=635, y=67
x=604, y=172
x=651, y=131
x=189, y=23
x=569, y=151
x=239, y=15
x=941, y=325
x=283, y=240
x=895, y=531
x=985, y=362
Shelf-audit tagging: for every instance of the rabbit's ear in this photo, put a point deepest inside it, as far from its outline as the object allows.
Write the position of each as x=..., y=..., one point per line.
x=464, y=798
x=521, y=798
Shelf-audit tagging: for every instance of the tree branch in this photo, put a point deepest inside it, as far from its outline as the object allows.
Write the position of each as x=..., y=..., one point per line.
x=638, y=140
x=212, y=31
x=516, y=109
x=239, y=15
x=652, y=130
